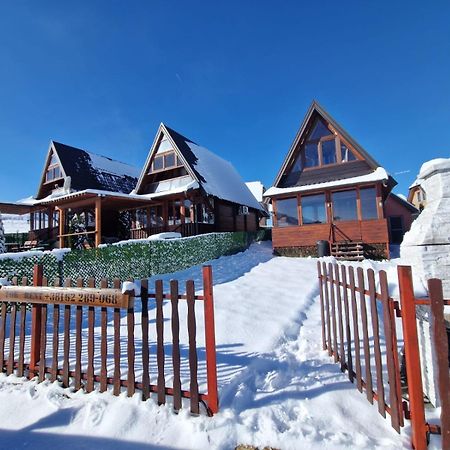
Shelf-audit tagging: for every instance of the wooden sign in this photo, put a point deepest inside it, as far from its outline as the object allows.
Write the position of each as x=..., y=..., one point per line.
x=112, y=298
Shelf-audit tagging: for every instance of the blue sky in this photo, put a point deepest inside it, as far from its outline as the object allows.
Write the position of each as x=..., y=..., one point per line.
x=236, y=77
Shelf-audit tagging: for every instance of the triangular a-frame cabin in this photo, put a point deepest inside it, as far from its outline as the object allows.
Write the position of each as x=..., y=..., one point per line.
x=193, y=190
x=330, y=189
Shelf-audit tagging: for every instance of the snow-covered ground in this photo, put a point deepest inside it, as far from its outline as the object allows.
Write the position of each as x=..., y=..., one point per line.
x=276, y=386
x=14, y=223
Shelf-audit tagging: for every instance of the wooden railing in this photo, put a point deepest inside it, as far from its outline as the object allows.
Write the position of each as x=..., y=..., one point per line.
x=63, y=356
x=185, y=229
x=348, y=306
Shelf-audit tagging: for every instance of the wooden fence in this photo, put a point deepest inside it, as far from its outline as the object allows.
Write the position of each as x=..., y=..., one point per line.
x=359, y=330
x=50, y=347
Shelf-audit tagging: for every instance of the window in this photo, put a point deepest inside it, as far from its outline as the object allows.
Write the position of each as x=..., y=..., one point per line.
x=328, y=152
x=187, y=211
x=174, y=213
x=287, y=212
x=156, y=216
x=158, y=163
x=169, y=160
x=203, y=214
x=53, y=160
x=166, y=161
x=53, y=173
x=311, y=155
x=320, y=130
x=346, y=154
x=313, y=209
x=344, y=205
x=368, y=199
x=164, y=146
x=396, y=226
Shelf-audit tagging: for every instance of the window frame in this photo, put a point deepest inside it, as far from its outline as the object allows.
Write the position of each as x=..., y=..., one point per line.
x=178, y=162
x=300, y=200
x=338, y=140
x=292, y=197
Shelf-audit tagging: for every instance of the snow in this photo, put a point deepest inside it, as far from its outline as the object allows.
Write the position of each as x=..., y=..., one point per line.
x=429, y=167
x=15, y=223
x=164, y=236
x=57, y=253
x=276, y=386
x=257, y=189
x=221, y=178
x=105, y=164
x=378, y=175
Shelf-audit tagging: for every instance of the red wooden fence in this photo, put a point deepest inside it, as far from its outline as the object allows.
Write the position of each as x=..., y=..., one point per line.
x=348, y=306
x=79, y=349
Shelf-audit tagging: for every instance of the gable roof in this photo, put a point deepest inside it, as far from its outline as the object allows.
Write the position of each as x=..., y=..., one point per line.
x=88, y=170
x=403, y=201
x=316, y=109
x=214, y=175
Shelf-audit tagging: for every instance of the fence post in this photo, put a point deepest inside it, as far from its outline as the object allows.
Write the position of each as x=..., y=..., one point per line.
x=210, y=340
x=36, y=312
x=412, y=358
x=440, y=342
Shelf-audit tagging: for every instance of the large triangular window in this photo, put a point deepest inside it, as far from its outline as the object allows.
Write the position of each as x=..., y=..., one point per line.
x=54, y=171
x=319, y=130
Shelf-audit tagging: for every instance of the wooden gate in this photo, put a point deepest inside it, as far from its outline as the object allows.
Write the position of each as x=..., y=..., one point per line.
x=351, y=307
x=93, y=351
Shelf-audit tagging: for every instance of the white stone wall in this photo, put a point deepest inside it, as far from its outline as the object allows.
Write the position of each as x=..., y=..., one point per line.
x=426, y=247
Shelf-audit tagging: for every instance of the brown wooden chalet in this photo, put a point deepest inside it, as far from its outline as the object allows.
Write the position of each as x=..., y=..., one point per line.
x=329, y=188
x=192, y=190
x=81, y=198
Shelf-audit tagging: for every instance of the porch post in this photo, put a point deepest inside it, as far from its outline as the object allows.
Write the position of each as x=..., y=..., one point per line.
x=62, y=226
x=98, y=221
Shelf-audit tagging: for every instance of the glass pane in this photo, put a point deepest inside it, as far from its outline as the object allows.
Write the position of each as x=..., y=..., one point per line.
x=287, y=212
x=158, y=163
x=313, y=209
x=169, y=160
x=57, y=172
x=347, y=154
x=344, y=205
x=164, y=146
x=179, y=163
x=368, y=198
x=53, y=160
x=187, y=211
x=319, y=130
x=311, y=155
x=328, y=152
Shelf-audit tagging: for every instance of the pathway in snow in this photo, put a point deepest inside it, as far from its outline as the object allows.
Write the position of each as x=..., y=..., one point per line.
x=276, y=385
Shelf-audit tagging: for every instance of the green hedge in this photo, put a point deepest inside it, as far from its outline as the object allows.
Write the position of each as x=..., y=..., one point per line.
x=23, y=266
x=132, y=260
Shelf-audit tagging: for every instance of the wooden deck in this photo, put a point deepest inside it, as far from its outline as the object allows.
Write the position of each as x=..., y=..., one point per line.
x=368, y=231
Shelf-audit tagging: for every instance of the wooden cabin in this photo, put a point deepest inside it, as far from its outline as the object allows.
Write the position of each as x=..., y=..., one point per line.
x=81, y=198
x=329, y=188
x=192, y=191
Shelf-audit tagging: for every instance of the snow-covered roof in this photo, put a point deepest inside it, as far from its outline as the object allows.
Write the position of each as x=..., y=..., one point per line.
x=88, y=170
x=257, y=189
x=379, y=174
x=216, y=176
x=429, y=167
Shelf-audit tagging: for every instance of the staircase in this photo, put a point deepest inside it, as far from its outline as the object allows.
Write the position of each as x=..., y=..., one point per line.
x=348, y=250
